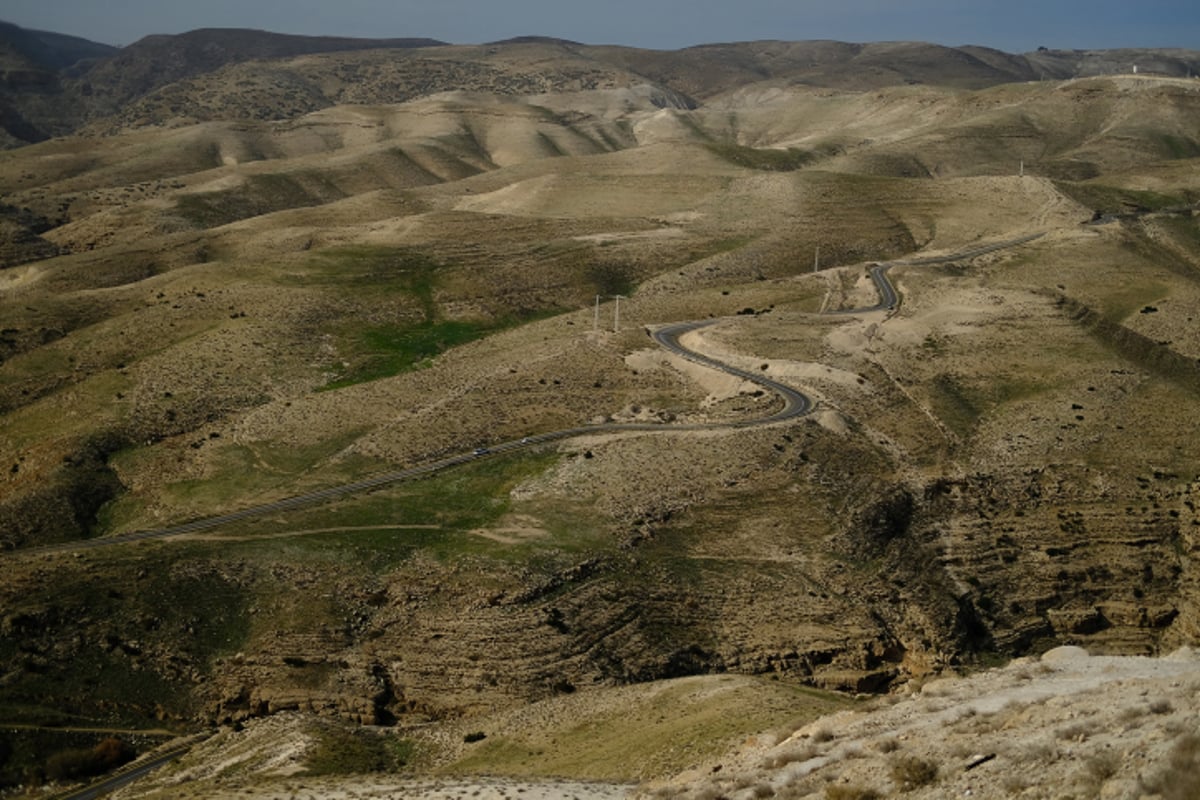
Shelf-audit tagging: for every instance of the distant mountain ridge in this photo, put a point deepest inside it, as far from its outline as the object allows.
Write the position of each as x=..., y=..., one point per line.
x=158, y=60
x=52, y=85
x=54, y=51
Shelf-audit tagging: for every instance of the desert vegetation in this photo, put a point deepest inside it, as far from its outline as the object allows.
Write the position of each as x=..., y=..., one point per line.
x=263, y=278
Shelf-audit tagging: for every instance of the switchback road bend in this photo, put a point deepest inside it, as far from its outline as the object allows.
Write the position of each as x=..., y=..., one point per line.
x=795, y=404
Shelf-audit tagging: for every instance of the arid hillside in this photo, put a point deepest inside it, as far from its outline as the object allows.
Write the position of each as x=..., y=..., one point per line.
x=54, y=85
x=212, y=304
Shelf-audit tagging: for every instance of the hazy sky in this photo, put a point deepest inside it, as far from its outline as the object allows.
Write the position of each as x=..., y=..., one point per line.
x=1013, y=25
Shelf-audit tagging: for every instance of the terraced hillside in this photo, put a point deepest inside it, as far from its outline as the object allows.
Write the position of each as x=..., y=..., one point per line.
x=214, y=314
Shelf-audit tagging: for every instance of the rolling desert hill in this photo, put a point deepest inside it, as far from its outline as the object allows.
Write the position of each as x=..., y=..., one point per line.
x=248, y=75
x=281, y=275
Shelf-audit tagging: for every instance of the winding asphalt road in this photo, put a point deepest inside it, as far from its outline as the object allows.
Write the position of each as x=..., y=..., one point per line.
x=123, y=777
x=795, y=404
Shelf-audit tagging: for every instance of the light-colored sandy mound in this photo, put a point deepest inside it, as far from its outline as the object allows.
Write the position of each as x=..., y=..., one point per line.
x=1065, y=725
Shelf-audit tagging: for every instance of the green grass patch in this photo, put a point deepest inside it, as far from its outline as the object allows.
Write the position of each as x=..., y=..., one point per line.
x=95, y=406
x=435, y=515
x=760, y=158
x=1117, y=200
x=237, y=474
x=373, y=268
x=954, y=404
x=1121, y=300
x=644, y=732
x=389, y=350
x=1178, y=147
x=340, y=751
x=382, y=351
x=1186, y=231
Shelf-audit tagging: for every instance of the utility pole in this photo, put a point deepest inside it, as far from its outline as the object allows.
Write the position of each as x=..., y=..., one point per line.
x=617, y=313
x=596, y=317
x=817, y=258
x=1022, y=172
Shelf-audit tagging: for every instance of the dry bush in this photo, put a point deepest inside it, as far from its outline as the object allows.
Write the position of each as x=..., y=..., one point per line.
x=709, y=793
x=888, y=745
x=841, y=791
x=986, y=723
x=1102, y=766
x=1161, y=706
x=911, y=772
x=821, y=735
x=742, y=782
x=789, y=755
x=763, y=790
x=1179, y=779
x=1038, y=753
x=1079, y=732
x=1127, y=715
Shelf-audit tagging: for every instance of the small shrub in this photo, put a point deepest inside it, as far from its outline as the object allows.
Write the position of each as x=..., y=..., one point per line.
x=787, y=756
x=1161, y=707
x=910, y=772
x=1039, y=753
x=841, y=791
x=477, y=736
x=1129, y=714
x=888, y=745
x=1102, y=766
x=1079, y=732
x=1180, y=778
x=821, y=735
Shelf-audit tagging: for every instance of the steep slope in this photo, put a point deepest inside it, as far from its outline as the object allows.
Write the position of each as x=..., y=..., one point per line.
x=286, y=89
x=243, y=311
x=156, y=61
x=53, y=83
x=50, y=51
x=32, y=69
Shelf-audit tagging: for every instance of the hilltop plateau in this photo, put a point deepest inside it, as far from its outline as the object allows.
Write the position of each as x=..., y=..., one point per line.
x=285, y=269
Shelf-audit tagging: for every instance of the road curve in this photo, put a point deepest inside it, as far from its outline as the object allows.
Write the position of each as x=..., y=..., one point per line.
x=122, y=777
x=795, y=404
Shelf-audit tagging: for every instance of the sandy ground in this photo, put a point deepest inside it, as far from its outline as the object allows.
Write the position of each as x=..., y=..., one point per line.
x=367, y=788
x=1067, y=725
